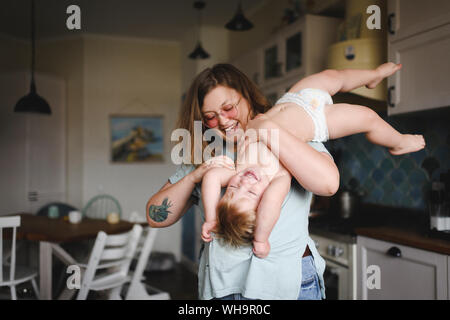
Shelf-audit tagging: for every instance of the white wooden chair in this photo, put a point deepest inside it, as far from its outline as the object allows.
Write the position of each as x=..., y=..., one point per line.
x=12, y=275
x=112, y=254
x=137, y=289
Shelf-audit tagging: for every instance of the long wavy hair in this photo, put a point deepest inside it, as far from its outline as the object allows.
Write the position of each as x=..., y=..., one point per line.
x=219, y=75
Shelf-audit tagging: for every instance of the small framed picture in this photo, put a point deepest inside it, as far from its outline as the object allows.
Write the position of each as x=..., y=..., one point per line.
x=136, y=138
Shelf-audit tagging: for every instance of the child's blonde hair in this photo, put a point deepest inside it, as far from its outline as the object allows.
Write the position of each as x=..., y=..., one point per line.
x=235, y=226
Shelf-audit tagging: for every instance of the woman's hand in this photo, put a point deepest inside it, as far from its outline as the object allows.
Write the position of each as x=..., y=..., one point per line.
x=215, y=162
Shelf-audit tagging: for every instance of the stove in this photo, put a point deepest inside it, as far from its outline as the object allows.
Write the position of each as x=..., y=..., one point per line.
x=335, y=240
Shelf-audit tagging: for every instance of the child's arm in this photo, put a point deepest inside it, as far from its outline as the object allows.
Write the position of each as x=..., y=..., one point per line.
x=212, y=183
x=334, y=81
x=268, y=213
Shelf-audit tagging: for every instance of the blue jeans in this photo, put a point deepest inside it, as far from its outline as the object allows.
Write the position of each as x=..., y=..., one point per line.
x=310, y=288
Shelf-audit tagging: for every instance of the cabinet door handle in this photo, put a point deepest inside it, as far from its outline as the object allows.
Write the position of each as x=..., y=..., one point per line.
x=391, y=29
x=394, y=252
x=389, y=93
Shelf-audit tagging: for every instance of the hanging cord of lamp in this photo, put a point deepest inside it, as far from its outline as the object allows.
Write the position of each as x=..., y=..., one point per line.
x=32, y=102
x=239, y=21
x=199, y=52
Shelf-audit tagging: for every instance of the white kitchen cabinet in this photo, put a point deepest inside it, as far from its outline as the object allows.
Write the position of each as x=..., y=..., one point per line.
x=405, y=272
x=275, y=92
x=419, y=38
x=424, y=81
x=296, y=51
x=411, y=17
x=448, y=278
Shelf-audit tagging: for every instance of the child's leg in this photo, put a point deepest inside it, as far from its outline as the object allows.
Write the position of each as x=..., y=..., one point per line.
x=334, y=81
x=346, y=119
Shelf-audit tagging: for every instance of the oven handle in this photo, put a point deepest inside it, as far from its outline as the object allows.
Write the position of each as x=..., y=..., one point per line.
x=394, y=252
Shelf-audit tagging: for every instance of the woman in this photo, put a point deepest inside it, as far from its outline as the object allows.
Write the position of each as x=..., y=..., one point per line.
x=224, y=99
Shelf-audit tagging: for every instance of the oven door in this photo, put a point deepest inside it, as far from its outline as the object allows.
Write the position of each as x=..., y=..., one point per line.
x=336, y=281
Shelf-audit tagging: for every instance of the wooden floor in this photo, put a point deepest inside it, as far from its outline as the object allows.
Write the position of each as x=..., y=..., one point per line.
x=179, y=282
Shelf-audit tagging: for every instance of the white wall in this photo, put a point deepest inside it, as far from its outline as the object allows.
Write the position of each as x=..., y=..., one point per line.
x=111, y=75
x=129, y=76
x=215, y=40
x=63, y=57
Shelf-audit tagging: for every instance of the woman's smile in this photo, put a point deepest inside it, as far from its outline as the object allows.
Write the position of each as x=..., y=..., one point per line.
x=224, y=109
x=231, y=129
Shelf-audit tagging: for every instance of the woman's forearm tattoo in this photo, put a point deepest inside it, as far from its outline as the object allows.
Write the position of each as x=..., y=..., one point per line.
x=159, y=213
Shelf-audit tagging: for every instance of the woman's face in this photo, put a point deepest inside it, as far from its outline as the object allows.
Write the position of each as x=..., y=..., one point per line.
x=225, y=110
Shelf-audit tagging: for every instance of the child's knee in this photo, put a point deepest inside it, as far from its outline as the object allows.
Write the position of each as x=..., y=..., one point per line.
x=371, y=116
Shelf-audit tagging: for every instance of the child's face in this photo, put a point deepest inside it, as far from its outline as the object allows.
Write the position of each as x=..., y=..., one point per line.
x=248, y=187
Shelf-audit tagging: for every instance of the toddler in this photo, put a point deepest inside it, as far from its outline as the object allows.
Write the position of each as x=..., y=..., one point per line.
x=251, y=205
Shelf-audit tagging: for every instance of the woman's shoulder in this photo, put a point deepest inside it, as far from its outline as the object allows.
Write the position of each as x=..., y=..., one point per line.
x=182, y=170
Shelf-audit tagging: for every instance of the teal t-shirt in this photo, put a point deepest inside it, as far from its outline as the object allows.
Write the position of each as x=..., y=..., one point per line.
x=224, y=270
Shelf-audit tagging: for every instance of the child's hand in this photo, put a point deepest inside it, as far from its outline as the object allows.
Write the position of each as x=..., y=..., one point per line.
x=261, y=249
x=207, y=227
x=224, y=161
x=215, y=162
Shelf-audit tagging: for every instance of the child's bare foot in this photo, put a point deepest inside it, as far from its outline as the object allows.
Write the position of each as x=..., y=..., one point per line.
x=384, y=71
x=409, y=143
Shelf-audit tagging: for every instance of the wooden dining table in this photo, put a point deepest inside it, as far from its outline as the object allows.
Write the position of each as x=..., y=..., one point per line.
x=51, y=232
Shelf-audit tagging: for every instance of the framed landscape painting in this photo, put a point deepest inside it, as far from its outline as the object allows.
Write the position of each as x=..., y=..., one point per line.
x=136, y=138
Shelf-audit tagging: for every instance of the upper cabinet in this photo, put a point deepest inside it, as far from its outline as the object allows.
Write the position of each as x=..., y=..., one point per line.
x=294, y=52
x=409, y=17
x=419, y=38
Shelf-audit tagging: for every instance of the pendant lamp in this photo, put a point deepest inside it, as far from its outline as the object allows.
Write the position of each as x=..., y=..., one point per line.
x=239, y=21
x=199, y=52
x=32, y=102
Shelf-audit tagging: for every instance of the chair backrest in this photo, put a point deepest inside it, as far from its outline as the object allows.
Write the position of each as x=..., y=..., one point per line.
x=100, y=206
x=111, y=251
x=9, y=222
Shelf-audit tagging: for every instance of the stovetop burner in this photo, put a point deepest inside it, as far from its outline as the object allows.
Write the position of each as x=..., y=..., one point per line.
x=338, y=225
x=338, y=228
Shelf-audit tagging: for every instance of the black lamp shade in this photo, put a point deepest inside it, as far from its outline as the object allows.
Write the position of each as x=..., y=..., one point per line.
x=239, y=22
x=199, y=53
x=32, y=103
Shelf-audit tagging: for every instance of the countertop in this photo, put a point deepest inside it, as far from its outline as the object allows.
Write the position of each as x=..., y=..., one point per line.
x=408, y=237
x=402, y=226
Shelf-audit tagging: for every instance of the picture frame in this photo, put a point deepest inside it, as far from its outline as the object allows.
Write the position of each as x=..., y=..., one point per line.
x=136, y=138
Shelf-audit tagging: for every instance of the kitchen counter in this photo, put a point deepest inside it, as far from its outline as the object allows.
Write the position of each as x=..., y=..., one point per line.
x=406, y=236
x=398, y=225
